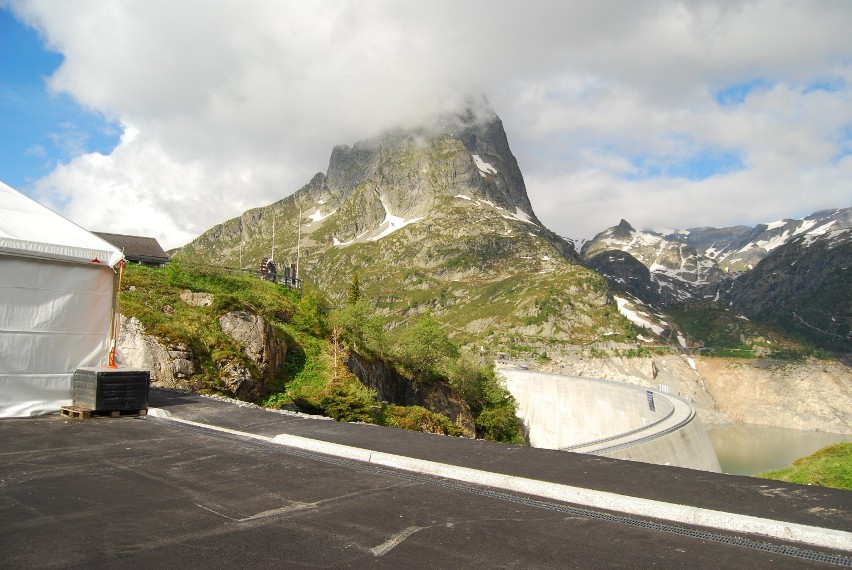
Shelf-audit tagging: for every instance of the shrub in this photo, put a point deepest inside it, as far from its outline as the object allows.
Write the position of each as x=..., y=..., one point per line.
x=424, y=349
x=417, y=418
x=309, y=316
x=360, y=327
x=493, y=407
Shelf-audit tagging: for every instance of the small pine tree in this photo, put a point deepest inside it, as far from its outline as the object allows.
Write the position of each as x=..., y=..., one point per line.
x=354, y=293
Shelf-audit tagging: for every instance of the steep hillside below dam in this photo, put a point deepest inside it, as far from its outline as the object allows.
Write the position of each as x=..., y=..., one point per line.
x=812, y=395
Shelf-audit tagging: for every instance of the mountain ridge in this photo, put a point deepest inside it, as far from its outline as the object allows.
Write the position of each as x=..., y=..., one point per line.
x=437, y=219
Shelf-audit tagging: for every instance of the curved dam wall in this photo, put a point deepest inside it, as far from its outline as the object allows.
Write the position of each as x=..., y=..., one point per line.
x=588, y=415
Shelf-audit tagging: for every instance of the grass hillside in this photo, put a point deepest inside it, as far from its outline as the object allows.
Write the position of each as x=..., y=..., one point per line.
x=829, y=467
x=314, y=377
x=492, y=281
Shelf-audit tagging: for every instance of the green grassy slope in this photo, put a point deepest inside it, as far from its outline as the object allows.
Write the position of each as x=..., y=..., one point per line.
x=829, y=467
x=314, y=377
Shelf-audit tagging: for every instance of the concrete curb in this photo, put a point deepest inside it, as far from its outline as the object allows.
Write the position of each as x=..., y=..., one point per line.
x=646, y=508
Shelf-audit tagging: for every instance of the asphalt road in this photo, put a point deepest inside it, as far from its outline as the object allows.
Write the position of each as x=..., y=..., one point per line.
x=137, y=492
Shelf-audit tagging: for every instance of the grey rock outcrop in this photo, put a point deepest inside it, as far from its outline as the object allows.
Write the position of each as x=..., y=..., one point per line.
x=171, y=366
x=238, y=379
x=196, y=299
x=626, y=274
x=261, y=346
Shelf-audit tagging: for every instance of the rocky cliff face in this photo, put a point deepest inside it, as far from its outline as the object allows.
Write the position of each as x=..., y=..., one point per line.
x=171, y=366
x=813, y=395
x=626, y=274
x=410, y=169
x=174, y=365
x=803, y=287
x=262, y=347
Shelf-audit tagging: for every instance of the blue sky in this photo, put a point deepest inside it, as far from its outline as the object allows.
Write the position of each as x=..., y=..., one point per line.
x=165, y=118
x=40, y=128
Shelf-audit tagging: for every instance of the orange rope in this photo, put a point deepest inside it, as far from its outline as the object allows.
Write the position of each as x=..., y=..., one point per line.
x=116, y=322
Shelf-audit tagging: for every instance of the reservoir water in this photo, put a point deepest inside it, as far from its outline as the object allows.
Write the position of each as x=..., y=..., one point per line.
x=747, y=449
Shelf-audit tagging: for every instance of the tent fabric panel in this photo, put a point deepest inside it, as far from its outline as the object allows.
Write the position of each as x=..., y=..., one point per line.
x=25, y=395
x=67, y=330
x=50, y=303
x=29, y=228
x=23, y=273
x=56, y=251
x=50, y=353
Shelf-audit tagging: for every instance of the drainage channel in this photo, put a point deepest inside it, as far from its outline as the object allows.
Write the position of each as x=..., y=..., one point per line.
x=781, y=549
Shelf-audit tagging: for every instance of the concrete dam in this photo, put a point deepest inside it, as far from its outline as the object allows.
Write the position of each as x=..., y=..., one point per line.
x=601, y=417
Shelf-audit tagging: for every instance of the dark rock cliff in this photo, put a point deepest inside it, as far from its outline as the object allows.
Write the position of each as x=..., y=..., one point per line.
x=803, y=287
x=393, y=387
x=626, y=274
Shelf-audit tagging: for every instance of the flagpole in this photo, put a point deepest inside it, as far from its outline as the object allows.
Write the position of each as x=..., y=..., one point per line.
x=298, y=241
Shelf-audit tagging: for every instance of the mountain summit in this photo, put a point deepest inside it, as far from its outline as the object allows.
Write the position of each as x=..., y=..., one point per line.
x=434, y=218
x=400, y=176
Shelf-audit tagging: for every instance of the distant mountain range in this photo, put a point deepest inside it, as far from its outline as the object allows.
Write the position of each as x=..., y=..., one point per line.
x=792, y=274
x=438, y=219
x=707, y=255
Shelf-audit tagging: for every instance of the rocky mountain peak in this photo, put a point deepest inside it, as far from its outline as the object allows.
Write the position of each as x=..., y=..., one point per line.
x=622, y=230
x=410, y=170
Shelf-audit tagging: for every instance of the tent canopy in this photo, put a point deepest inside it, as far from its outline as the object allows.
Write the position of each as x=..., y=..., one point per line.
x=57, y=303
x=30, y=229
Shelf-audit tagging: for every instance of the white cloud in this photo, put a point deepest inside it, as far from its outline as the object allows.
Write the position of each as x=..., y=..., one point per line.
x=237, y=104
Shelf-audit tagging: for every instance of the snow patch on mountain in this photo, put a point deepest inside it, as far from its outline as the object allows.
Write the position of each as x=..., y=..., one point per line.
x=337, y=243
x=806, y=225
x=392, y=223
x=484, y=167
x=637, y=316
x=318, y=216
x=523, y=216
x=519, y=215
x=769, y=244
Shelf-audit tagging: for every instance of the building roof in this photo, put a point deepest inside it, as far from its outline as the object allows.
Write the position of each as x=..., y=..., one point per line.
x=136, y=247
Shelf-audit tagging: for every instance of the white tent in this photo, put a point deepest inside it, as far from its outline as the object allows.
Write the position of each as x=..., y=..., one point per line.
x=57, y=302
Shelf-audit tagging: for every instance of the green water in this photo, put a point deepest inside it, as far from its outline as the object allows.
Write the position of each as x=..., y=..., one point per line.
x=746, y=449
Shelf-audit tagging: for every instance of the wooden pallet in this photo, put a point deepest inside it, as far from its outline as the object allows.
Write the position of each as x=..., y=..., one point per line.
x=85, y=413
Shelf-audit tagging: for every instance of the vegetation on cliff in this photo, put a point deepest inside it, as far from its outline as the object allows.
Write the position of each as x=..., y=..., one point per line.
x=718, y=331
x=315, y=377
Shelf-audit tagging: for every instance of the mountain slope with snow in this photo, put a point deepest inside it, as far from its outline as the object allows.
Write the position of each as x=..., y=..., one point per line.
x=696, y=263
x=741, y=248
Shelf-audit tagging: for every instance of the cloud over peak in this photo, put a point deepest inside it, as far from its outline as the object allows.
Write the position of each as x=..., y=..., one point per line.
x=611, y=107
